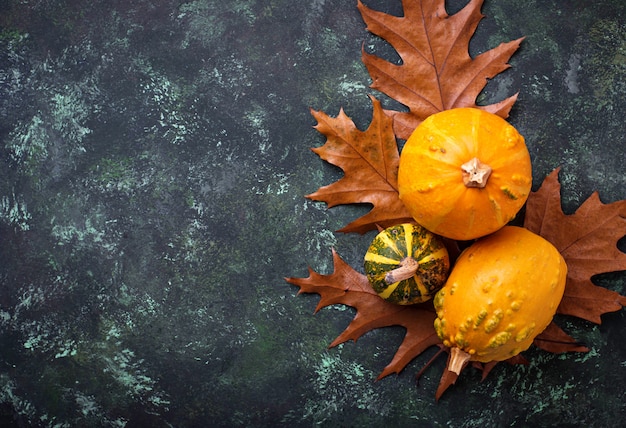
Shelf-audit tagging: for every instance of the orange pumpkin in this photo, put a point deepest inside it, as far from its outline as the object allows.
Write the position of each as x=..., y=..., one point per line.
x=502, y=292
x=464, y=173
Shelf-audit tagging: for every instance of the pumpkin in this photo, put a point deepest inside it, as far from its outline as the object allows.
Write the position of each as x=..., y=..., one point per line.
x=406, y=264
x=502, y=292
x=464, y=173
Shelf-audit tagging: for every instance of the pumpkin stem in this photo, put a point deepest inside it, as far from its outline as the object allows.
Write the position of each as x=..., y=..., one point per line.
x=408, y=267
x=458, y=359
x=475, y=173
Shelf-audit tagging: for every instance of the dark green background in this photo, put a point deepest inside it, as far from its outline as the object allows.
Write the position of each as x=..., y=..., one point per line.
x=155, y=155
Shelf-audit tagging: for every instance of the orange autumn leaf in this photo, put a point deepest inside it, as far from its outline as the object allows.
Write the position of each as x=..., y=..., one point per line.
x=587, y=240
x=369, y=160
x=349, y=287
x=437, y=72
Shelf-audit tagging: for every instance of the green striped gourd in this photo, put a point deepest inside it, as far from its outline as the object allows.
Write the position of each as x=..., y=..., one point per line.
x=406, y=264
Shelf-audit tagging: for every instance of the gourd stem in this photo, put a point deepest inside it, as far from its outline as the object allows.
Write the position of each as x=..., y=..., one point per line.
x=458, y=359
x=475, y=173
x=408, y=267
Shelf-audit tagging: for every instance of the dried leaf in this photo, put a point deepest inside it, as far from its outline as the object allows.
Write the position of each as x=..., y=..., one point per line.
x=487, y=367
x=448, y=378
x=348, y=287
x=554, y=339
x=587, y=240
x=437, y=72
x=369, y=160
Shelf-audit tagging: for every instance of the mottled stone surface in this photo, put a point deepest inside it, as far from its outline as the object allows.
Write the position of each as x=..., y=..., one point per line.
x=154, y=161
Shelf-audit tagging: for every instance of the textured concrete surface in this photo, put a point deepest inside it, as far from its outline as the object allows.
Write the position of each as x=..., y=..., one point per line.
x=154, y=161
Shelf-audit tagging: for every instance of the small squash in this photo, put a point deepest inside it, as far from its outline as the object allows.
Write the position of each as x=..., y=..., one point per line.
x=464, y=173
x=406, y=264
x=502, y=292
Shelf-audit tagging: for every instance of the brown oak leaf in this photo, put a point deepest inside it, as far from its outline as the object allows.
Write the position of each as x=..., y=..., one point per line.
x=587, y=240
x=369, y=160
x=554, y=339
x=437, y=72
x=349, y=287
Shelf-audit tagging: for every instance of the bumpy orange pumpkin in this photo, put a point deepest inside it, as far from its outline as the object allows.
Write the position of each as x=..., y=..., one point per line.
x=464, y=173
x=502, y=292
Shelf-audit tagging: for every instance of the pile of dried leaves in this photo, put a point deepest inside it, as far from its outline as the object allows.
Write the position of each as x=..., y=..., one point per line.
x=437, y=73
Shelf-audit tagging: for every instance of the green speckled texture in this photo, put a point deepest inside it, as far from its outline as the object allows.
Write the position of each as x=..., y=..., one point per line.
x=155, y=155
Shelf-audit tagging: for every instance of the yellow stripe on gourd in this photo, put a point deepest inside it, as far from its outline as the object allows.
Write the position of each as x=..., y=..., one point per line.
x=389, y=290
x=389, y=242
x=408, y=238
x=427, y=258
x=378, y=258
x=421, y=287
x=439, y=254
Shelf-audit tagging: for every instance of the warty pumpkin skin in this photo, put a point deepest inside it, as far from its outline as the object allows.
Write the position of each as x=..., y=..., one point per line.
x=464, y=173
x=502, y=292
x=406, y=264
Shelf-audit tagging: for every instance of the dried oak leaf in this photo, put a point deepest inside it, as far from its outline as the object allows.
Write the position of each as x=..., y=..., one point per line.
x=554, y=339
x=587, y=240
x=369, y=160
x=349, y=287
x=437, y=72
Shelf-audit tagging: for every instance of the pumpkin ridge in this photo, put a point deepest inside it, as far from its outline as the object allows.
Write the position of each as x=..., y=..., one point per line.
x=455, y=147
x=496, y=206
x=504, y=164
x=393, y=245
